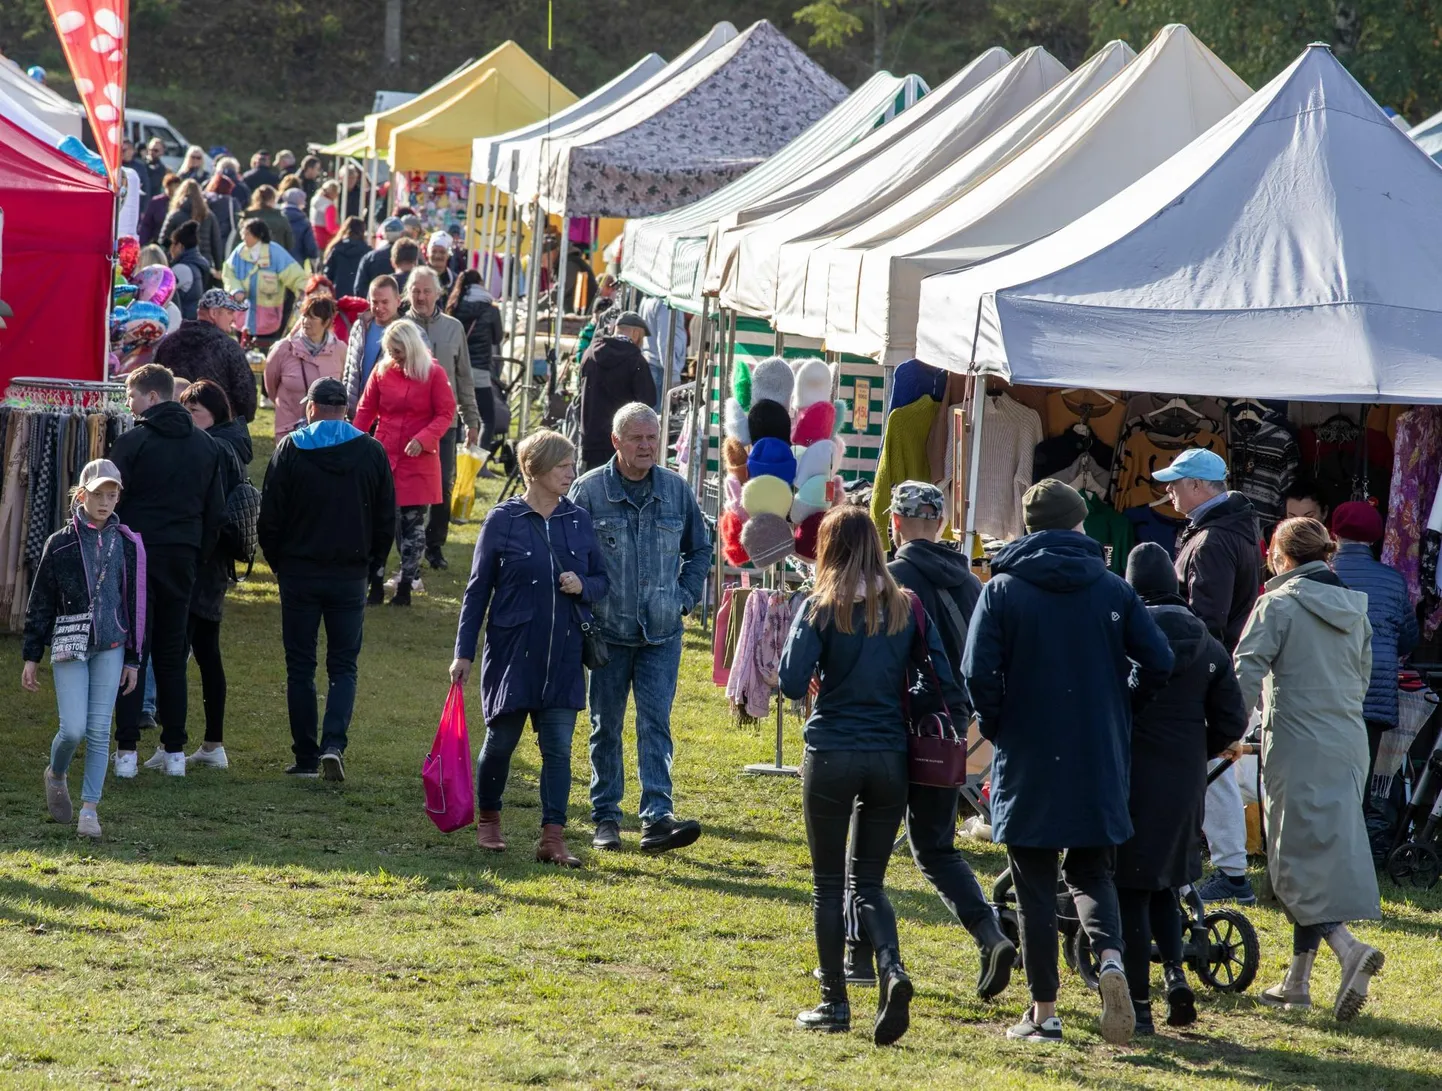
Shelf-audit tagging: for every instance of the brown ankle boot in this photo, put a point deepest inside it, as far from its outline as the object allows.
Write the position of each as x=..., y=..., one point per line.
x=552, y=849
x=488, y=831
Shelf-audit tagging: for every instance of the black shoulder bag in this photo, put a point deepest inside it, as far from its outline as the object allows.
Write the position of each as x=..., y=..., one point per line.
x=595, y=652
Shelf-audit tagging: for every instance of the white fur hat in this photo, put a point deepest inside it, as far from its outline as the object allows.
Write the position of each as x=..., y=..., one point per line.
x=815, y=461
x=813, y=383
x=736, y=422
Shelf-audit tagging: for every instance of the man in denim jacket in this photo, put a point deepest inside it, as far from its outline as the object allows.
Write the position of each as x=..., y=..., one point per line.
x=657, y=555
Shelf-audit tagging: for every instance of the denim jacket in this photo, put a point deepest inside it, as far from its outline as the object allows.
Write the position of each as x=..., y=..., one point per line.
x=657, y=555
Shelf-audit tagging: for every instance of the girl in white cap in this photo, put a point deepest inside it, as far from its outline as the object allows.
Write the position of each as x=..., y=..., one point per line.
x=88, y=605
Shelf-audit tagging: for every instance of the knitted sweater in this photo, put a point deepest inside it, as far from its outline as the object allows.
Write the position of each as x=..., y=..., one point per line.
x=1009, y=435
x=903, y=455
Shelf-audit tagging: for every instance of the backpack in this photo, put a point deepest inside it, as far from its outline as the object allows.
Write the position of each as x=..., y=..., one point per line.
x=238, y=536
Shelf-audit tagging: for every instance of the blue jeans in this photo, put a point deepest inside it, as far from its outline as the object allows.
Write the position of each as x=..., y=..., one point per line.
x=554, y=728
x=306, y=601
x=85, y=692
x=651, y=671
x=658, y=376
x=148, y=705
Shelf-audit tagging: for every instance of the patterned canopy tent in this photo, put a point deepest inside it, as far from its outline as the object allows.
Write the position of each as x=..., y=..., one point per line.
x=693, y=135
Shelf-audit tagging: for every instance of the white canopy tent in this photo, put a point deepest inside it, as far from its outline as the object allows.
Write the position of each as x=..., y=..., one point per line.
x=763, y=280
x=1168, y=96
x=486, y=150
x=726, y=236
x=1428, y=135
x=1288, y=253
x=60, y=114
x=654, y=244
x=697, y=133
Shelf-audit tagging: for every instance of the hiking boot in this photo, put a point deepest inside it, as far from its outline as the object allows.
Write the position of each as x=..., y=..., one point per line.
x=402, y=597
x=1359, y=963
x=332, y=765
x=833, y=1014
x=997, y=956
x=552, y=849
x=1221, y=887
x=1119, y=1018
x=608, y=836
x=1032, y=1029
x=670, y=832
x=1295, y=991
x=57, y=798
x=488, y=831
x=893, y=1006
x=1181, y=1000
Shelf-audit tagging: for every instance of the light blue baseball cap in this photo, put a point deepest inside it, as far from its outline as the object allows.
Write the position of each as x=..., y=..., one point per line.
x=1198, y=464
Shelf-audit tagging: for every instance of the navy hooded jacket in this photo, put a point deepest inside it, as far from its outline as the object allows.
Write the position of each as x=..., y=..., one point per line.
x=532, y=654
x=1056, y=647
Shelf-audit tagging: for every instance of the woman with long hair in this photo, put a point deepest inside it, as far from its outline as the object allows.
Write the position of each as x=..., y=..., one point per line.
x=854, y=775
x=262, y=272
x=1306, y=653
x=343, y=255
x=536, y=571
x=311, y=351
x=210, y=410
x=193, y=166
x=409, y=400
x=189, y=204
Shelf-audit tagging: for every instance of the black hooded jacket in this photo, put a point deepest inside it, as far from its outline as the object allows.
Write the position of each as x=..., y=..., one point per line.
x=212, y=579
x=172, y=490
x=1219, y=567
x=329, y=503
x=613, y=373
x=1197, y=714
x=931, y=570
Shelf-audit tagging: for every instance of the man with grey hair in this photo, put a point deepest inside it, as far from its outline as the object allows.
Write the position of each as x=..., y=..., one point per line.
x=614, y=373
x=448, y=344
x=657, y=555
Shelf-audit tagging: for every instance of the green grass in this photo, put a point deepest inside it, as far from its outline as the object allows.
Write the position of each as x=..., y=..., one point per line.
x=239, y=930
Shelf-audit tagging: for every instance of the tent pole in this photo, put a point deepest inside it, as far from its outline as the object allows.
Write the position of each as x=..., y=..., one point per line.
x=700, y=408
x=780, y=344
x=371, y=206
x=558, y=313
x=973, y=469
x=533, y=302
x=665, y=344
x=508, y=262
x=493, y=212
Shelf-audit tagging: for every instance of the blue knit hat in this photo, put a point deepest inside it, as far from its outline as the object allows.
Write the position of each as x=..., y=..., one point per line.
x=772, y=457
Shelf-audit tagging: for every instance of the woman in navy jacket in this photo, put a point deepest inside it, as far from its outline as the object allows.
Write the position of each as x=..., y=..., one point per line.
x=538, y=568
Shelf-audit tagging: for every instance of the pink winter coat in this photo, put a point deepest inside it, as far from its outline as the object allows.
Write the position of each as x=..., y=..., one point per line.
x=421, y=409
x=289, y=371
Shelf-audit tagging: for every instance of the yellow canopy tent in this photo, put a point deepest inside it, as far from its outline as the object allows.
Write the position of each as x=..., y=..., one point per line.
x=508, y=59
x=353, y=145
x=440, y=139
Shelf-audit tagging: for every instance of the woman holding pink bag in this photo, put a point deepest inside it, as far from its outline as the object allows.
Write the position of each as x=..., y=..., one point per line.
x=536, y=572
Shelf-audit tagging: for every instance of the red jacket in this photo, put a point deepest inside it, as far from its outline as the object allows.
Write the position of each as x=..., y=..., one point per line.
x=409, y=409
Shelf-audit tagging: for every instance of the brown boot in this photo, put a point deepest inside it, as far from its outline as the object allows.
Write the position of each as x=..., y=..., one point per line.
x=488, y=831
x=552, y=849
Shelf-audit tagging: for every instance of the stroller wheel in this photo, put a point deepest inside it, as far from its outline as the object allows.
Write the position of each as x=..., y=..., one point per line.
x=1414, y=864
x=1233, y=953
x=1081, y=958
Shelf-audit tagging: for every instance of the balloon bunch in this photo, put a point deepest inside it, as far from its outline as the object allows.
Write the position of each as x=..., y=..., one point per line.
x=781, y=455
x=137, y=318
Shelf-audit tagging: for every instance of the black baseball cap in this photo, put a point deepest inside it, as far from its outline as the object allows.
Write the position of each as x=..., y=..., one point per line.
x=326, y=392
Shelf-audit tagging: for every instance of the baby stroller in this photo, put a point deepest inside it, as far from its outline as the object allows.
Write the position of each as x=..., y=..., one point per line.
x=1413, y=859
x=1219, y=944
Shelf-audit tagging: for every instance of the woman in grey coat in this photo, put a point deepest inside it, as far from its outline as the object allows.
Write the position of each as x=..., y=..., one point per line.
x=1307, y=650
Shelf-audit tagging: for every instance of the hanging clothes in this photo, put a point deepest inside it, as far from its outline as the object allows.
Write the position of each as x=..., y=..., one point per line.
x=912, y=380
x=1264, y=465
x=745, y=689
x=1416, y=468
x=1108, y=527
x=1009, y=435
x=903, y=455
x=1143, y=454
x=1102, y=416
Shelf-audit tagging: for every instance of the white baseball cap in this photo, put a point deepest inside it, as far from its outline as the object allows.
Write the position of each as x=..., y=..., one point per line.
x=98, y=473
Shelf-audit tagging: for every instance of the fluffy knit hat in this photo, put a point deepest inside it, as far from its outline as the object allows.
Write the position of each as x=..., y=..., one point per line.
x=766, y=495
x=730, y=528
x=734, y=485
x=1051, y=505
x=813, y=383
x=741, y=384
x=769, y=419
x=772, y=379
x=807, y=533
x=774, y=457
x=810, y=499
x=737, y=425
x=733, y=453
x=814, y=423
x=815, y=461
x=767, y=539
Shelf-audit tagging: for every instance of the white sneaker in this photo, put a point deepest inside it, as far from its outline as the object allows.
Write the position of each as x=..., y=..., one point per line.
x=417, y=586
x=216, y=758
x=125, y=764
x=89, y=824
x=175, y=765
x=157, y=759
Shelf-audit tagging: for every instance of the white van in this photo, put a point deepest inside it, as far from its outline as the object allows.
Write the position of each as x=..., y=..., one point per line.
x=141, y=127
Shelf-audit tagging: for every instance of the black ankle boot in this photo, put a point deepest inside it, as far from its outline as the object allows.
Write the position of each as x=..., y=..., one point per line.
x=1143, y=1009
x=833, y=1014
x=377, y=593
x=1181, y=1000
x=403, y=593
x=893, y=1008
x=996, y=955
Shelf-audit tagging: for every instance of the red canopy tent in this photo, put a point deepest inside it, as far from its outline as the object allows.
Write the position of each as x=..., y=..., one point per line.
x=55, y=251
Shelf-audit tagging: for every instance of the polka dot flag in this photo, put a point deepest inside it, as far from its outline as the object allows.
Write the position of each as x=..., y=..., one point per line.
x=94, y=36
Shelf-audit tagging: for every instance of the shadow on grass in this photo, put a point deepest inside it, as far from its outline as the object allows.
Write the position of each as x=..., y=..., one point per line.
x=16, y=892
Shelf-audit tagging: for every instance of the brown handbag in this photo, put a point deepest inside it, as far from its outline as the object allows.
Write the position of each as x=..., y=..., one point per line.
x=935, y=754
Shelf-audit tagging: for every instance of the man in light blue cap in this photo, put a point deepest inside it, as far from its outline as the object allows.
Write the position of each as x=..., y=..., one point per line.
x=1219, y=570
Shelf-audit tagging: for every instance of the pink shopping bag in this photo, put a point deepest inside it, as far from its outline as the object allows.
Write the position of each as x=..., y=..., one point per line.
x=450, y=796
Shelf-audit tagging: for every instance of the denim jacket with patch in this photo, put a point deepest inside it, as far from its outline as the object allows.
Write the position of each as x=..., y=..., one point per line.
x=657, y=555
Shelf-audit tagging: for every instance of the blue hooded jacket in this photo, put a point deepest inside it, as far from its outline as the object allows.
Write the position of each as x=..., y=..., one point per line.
x=1394, y=624
x=1056, y=647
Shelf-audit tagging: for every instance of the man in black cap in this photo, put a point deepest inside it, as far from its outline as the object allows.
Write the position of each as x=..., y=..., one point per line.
x=328, y=506
x=614, y=372
x=204, y=349
x=1055, y=651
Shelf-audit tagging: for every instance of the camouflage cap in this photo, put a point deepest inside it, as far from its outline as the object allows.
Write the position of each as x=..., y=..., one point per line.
x=917, y=500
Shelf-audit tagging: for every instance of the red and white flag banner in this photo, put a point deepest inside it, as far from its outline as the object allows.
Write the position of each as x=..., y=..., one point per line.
x=94, y=34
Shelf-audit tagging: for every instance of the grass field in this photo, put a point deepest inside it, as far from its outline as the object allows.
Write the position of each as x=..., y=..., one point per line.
x=240, y=930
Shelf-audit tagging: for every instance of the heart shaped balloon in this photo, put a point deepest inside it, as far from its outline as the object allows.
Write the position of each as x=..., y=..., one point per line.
x=144, y=324
x=154, y=284
x=127, y=249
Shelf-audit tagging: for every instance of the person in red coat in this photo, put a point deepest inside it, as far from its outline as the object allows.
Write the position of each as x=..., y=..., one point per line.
x=409, y=401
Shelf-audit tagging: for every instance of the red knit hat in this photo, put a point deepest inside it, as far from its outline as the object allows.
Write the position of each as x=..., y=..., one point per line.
x=807, y=534
x=730, y=530
x=1357, y=521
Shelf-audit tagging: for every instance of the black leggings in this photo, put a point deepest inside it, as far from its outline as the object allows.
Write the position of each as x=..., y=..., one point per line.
x=833, y=783
x=1306, y=938
x=1148, y=915
x=204, y=639
x=486, y=406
